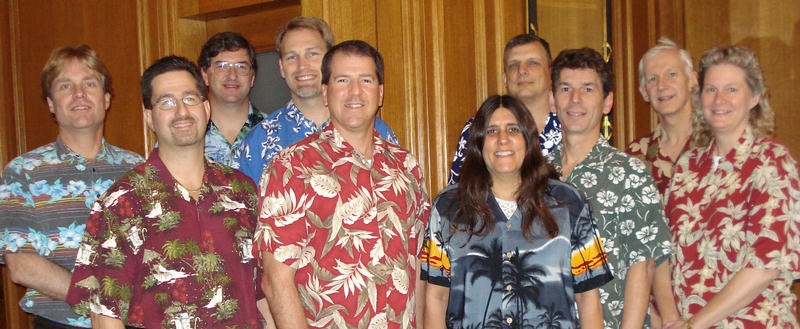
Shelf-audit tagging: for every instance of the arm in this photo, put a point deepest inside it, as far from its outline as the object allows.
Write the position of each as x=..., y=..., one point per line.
x=419, y=307
x=637, y=293
x=263, y=307
x=662, y=294
x=590, y=312
x=104, y=322
x=742, y=289
x=278, y=284
x=39, y=273
x=436, y=299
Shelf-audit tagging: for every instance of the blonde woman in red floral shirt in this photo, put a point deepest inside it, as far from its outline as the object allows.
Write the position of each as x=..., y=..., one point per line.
x=733, y=206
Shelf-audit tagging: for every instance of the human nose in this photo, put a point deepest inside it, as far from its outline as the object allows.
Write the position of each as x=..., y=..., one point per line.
x=575, y=96
x=354, y=88
x=302, y=61
x=502, y=136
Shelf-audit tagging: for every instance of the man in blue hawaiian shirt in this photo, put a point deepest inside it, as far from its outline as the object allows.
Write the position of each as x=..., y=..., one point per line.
x=301, y=44
x=46, y=194
x=228, y=65
x=526, y=74
x=620, y=190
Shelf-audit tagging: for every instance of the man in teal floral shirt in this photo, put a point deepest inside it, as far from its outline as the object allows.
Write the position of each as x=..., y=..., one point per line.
x=228, y=65
x=621, y=193
x=169, y=244
x=46, y=193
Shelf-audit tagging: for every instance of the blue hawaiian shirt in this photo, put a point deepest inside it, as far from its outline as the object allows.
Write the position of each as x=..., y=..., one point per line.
x=45, y=198
x=277, y=131
x=217, y=146
x=548, y=139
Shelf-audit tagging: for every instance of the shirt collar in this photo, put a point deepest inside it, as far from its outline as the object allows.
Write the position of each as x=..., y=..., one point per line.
x=254, y=116
x=333, y=137
x=166, y=177
x=738, y=154
x=64, y=152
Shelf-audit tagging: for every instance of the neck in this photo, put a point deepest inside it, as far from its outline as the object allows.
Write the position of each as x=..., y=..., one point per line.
x=361, y=141
x=312, y=108
x=575, y=149
x=725, y=142
x=186, y=164
x=540, y=110
x=506, y=188
x=676, y=127
x=85, y=142
x=229, y=117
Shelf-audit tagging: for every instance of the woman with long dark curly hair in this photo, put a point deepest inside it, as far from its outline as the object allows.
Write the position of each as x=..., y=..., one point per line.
x=510, y=244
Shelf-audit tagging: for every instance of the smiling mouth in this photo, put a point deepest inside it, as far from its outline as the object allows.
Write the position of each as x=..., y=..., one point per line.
x=720, y=111
x=353, y=106
x=665, y=98
x=503, y=153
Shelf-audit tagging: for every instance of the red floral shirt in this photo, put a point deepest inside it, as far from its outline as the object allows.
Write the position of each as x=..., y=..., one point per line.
x=734, y=212
x=351, y=229
x=648, y=150
x=155, y=258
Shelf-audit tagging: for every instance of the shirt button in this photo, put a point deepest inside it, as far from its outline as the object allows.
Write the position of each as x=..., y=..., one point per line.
x=508, y=226
x=508, y=287
x=508, y=254
x=509, y=320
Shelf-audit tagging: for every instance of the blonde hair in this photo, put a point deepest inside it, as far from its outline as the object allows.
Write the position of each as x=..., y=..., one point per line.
x=59, y=59
x=762, y=118
x=301, y=22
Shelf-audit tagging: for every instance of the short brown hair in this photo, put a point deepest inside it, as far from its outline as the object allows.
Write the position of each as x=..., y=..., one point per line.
x=584, y=58
x=59, y=59
x=301, y=22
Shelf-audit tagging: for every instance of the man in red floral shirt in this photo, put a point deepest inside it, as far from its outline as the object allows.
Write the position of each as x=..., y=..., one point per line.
x=169, y=244
x=342, y=211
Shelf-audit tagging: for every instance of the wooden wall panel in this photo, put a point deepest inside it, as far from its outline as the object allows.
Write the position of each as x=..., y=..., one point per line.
x=109, y=28
x=8, y=132
x=771, y=28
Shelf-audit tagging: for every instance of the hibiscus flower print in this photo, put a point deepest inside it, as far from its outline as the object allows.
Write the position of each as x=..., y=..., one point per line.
x=650, y=194
x=70, y=237
x=588, y=179
x=617, y=175
x=607, y=198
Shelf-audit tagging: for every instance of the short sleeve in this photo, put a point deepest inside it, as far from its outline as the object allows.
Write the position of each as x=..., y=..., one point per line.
x=247, y=158
x=435, y=262
x=16, y=212
x=385, y=131
x=458, y=158
x=282, y=229
x=106, y=264
x=588, y=258
x=774, y=203
x=643, y=227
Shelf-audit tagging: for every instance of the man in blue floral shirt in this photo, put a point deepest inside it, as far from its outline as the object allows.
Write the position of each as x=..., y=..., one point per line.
x=301, y=44
x=526, y=74
x=228, y=65
x=46, y=194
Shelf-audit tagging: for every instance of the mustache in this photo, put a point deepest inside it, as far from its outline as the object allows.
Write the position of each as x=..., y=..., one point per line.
x=182, y=118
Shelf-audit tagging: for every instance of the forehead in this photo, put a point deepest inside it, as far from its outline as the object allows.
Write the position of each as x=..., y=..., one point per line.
x=238, y=55
x=528, y=50
x=75, y=69
x=502, y=115
x=725, y=73
x=173, y=83
x=663, y=59
x=578, y=76
x=302, y=38
x=349, y=64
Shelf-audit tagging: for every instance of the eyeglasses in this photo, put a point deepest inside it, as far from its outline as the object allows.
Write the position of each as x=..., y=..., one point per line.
x=225, y=67
x=170, y=103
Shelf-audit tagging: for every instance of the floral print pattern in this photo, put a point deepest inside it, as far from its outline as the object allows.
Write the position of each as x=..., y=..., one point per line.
x=350, y=228
x=743, y=212
x=154, y=257
x=625, y=203
x=217, y=146
x=45, y=197
x=647, y=149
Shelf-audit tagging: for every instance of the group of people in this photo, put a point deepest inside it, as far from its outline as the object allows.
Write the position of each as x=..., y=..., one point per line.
x=314, y=216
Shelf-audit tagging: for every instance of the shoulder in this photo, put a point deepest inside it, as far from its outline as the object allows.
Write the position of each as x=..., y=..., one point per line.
x=771, y=153
x=32, y=160
x=227, y=176
x=303, y=151
x=639, y=146
x=564, y=192
x=616, y=158
x=125, y=156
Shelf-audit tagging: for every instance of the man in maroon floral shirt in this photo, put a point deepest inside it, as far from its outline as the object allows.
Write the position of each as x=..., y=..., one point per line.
x=169, y=244
x=342, y=212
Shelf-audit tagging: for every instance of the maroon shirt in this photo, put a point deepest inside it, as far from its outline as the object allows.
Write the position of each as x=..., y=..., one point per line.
x=153, y=257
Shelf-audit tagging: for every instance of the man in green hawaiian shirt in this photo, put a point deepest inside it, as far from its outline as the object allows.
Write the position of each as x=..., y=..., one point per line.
x=621, y=192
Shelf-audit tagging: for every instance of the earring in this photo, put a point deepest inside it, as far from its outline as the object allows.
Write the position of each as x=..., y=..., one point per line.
x=607, y=128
